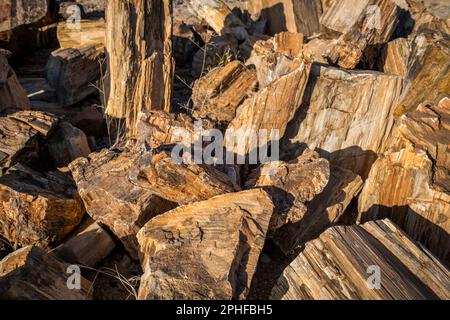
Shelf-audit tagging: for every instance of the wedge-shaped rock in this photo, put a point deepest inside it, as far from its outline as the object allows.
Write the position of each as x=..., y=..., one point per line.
x=343, y=264
x=88, y=244
x=12, y=96
x=67, y=144
x=291, y=185
x=37, y=209
x=110, y=198
x=15, y=13
x=346, y=115
x=396, y=57
x=342, y=15
x=217, y=95
x=428, y=76
x=410, y=184
x=180, y=183
x=32, y=274
x=322, y=212
x=289, y=15
x=92, y=34
x=63, y=73
x=375, y=26
x=205, y=250
x=270, y=109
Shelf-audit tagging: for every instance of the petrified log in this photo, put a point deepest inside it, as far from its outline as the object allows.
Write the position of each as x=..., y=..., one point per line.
x=42, y=122
x=375, y=26
x=88, y=245
x=63, y=73
x=205, y=250
x=322, y=212
x=67, y=144
x=91, y=32
x=346, y=115
x=410, y=184
x=342, y=15
x=396, y=57
x=428, y=76
x=141, y=73
x=110, y=198
x=16, y=13
x=269, y=109
x=291, y=185
x=343, y=263
x=217, y=95
x=289, y=15
x=37, y=209
x=12, y=96
x=32, y=274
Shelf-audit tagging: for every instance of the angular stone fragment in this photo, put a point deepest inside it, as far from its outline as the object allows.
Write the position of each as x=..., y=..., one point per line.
x=217, y=95
x=37, y=209
x=93, y=34
x=63, y=73
x=396, y=57
x=410, y=183
x=291, y=185
x=42, y=122
x=103, y=181
x=339, y=264
x=346, y=116
x=205, y=250
x=88, y=245
x=343, y=14
x=322, y=212
x=32, y=274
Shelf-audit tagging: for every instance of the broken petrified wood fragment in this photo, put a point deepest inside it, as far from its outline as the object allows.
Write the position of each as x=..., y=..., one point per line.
x=205, y=250
x=103, y=181
x=410, y=183
x=92, y=34
x=344, y=263
x=32, y=274
x=291, y=185
x=217, y=95
x=37, y=209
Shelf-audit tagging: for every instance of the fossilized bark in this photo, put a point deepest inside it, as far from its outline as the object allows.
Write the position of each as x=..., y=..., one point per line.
x=346, y=115
x=32, y=274
x=139, y=48
x=37, y=209
x=205, y=250
x=291, y=185
x=338, y=266
x=218, y=94
x=410, y=184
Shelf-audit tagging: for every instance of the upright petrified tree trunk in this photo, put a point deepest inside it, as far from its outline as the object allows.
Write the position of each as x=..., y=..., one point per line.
x=139, y=47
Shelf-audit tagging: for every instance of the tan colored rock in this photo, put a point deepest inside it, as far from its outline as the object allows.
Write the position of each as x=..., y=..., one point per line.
x=316, y=49
x=346, y=115
x=88, y=244
x=140, y=74
x=375, y=26
x=288, y=43
x=205, y=250
x=37, y=209
x=289, y=15
x=92, y=34
x=270, y=109
x=12, y=96
x=410, y=183
x=110, y=198
x=342, y=15
x=291, y=185
x=396, y=57
x=321, y=212
x=32, y=274
x=428, y=76
x=67, y=144
x=218, y=94
x=342, y=263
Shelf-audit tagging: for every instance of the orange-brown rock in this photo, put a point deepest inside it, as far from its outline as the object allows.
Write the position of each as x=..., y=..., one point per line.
x=396, y=57
x=205, y=250
x=343, y=263
x=92, y=34
x=37, y=209
x=410, y=183
x=32, y=274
